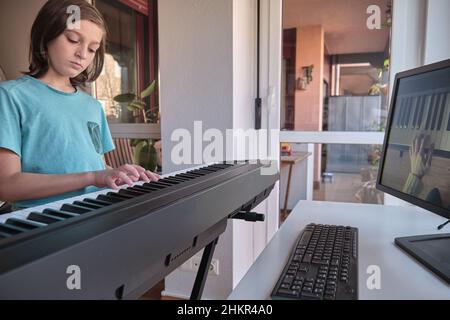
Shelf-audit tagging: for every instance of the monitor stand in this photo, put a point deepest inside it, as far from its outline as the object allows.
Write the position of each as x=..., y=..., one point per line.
x=433, y=251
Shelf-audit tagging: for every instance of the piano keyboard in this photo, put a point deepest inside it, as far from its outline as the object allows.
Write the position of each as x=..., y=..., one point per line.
x=423, y=114
x=124, y=241
x=32, y=217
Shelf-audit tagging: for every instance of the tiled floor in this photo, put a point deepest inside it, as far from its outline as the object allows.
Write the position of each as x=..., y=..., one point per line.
x=343, y=188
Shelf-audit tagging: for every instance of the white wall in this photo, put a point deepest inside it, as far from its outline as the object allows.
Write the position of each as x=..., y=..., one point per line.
x=407, y=48
x=244, y=93
x=16, y=19
x=208, y=73
x=437, y=35
x=196, y=70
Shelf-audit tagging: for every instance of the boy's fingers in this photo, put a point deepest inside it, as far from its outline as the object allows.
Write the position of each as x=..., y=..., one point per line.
x=125, y=178
x=131, y=169
x=144, y=177
x=152, y=176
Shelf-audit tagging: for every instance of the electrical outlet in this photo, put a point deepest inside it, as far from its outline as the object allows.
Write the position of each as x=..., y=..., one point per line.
x=213, y=267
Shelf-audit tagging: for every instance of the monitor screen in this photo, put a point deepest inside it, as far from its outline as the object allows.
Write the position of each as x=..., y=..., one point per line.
x=415, y=165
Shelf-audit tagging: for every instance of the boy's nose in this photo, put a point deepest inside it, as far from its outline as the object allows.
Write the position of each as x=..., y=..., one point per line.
x=82, y=53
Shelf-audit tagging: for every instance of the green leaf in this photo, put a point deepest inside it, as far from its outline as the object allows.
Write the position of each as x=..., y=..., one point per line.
x=125, y=97
x=137, y=105
x=149, y=90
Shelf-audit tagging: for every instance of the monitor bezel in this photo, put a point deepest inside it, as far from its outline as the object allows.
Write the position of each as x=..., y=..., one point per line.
x=399, y=194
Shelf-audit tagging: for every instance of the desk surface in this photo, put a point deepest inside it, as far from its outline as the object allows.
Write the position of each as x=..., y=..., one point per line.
x=402, y=277
x=295, y=157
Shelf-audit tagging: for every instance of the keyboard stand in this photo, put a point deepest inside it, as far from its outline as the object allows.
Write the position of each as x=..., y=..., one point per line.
x=208, y=253
x=202, y=273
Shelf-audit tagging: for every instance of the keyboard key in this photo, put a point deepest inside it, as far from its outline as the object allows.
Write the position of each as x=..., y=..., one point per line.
x=75, y=209
x=288, y=292
x=30, y=225
x=44, y=218
x=88, y=205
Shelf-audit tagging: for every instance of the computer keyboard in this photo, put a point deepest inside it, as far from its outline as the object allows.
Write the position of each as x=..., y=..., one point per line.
x=323, y=265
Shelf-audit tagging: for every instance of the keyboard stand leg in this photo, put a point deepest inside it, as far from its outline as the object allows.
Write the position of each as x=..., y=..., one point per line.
x=202, y=273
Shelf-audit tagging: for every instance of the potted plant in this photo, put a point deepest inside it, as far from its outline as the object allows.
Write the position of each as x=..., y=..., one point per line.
x=144, y=151
x=137, y=105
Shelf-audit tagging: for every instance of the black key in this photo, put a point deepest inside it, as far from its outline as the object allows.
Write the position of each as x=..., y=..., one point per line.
x=139, y=191
x=74, y=208
x=44, y=218
x=97, y=201
x=422, y=111
x=408, y=113
x=155, y=185
x=181, y=179
x=167, y=181
x=219, y=166
x=430, y=113
x=161, y=183
x=205, y=171
x=88, y=205
x=60, y=214
x=131, y=193
x=209, y=169
x=30, y=225
x=122, y=196
x=175, y=180
x=441, y=113
x=416, y=111
x=187, y=176
x=11, y=229
x=436, y=112
x=110, y=198
x=142, y=189
x=402, y=113
x=197, y=173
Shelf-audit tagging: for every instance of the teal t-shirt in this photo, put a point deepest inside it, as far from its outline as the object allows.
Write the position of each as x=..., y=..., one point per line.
x=52, y=132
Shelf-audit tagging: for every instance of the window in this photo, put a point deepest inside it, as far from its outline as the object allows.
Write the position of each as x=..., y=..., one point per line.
x=129, y=58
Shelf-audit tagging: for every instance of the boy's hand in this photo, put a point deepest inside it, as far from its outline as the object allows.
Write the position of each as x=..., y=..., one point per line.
x=126, y=174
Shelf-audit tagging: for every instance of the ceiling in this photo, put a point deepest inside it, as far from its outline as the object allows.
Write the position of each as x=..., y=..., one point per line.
x=344, y=23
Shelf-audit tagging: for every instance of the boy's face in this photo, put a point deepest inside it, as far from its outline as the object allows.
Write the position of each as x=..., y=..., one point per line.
x=74, y=50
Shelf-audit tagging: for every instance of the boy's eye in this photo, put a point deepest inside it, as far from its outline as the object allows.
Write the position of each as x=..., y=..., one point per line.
x=72, y=41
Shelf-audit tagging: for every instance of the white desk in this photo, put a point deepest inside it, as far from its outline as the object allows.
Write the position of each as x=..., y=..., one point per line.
x=402, y=277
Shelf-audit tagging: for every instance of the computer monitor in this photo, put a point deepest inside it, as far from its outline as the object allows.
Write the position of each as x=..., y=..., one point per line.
x=415, y=163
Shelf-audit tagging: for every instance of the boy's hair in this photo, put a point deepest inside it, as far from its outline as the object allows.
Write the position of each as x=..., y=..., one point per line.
x=50, y=23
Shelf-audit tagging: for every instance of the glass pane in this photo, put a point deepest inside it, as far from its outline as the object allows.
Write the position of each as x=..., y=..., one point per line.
x=119, y=72
x=363, y=113
x=348, y=174
x=335, y=68
x=343, y=173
